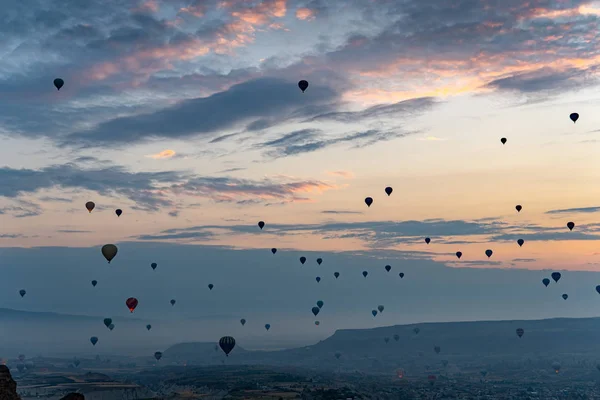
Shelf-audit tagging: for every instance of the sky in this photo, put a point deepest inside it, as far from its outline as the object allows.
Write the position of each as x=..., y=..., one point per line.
x=187, y=116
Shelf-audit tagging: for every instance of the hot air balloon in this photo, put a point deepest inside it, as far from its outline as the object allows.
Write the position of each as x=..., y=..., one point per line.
x=94, y=340
x=574, y=117
x=317, y=323
x=111, y=326
x=427, y=240
x=107, y=322
x=388, y=190
x=318, y=279
x=227, y=343
x=570, y=225
x=302, y=260
x=489, y=253
x=368, y=201
x=518, y=207
x=520, y=242
x=380, y=308
x=21, y=357
x=565, y=296
x=109, y=251
x=267, y=326
x=158, y=355
x=173, y=302
x=210, y=286
x=22, y=292
x=388, y=268
x=261, y=224
x=118, y=211
x=365, y=273
x=503, y=140
x=320, y=303
x=374, y=312
x=336, y=274
x=459, y=254
x=338, y=355
x=58, y=83
x=416, y=331
x=437, y=349
x=148, y=327
x=445, y=363
x=401, y=275
x=556, y=366
x=386, y=339
x=319, y=261
x=315, y=310
x=131, y=303
x=153, y=265
x=303, y=85
x=546, y=281
x=90, y=205
x=556, y=276
x=598, y=289
x=396, y=337
x=94, y=283
x=273, y=250
x=520, y=332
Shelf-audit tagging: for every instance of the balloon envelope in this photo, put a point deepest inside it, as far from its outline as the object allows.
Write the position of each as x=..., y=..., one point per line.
x=546, y=281
x=154, y=265
x=94, y=283
x=374, y=312
x=107, y=322
x=94, y=340
x=319, y=261
x=388, y=190
x=556, y=276
x=518, y=207
x=109, y=251
x=273, y=250
x=131, y=303
x=90, y=205
x=459, y=254
x=401, y=275
x=302, y=260
x=267, y=326
x=369, y=201
x=320, y=303
x=565, y=296
x=520, y=332
x=427, y=240
x=173, y=302
x=303, y=85
x=148, y=327
x=58, y=83
x=365, y=273
x=158, y=355
x=261, y=224
x=388, y=268
x=570, y=225
x=118, y=211
x=315, y=310
x=336, y=274
x=489, y=253
x=227, y=343
x=503, y=140
x=22, y=292
x=243, y=321
x=574, y=117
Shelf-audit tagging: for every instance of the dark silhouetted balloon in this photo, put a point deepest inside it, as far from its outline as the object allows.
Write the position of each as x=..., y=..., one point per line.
x=303, y=85
x=267, y=326
x=520, y=332
x=518, y=207
x=227, y=343
x=368, y=201
x=437, y=349
x=94, y=283
x=396, y=337
x=565, y=296
x=546, y=281
x=574, y=117
x=173, y=302
x=243, y=321
x=336, y=274
x=90, y=205
x=158, y=355
x=556, y=276
x=570, y=225
x=22, y=292
x=374, y=312
x=58, y=83
x=380, y=308
x=109, y=251
x=94, y=340
x=154, y=265
x=317, y=323
x=388, y=190
x=386, y=339
x=416, y=331
x=388, y=268
x=319, y=261
x=261, y=224
x=318, y=279
x=556, y=367
x=503, y=140
x=598, y=288
x=365, y=273
x=107, y=322
x=273, y=250
x=315, y=310
x=131, y=303
x=401, y=275
x=427, y=240
x=520, y=242
x=111, y=326
x=118, y=211
x=148, y=327
x=445, y=363
x=320, y=303
x=489, y=253
x=210, y=286
x=459, y=254
x=338, y=355
x=302, y=260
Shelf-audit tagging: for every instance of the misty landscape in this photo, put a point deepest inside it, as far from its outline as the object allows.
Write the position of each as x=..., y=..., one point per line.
x=299, y=199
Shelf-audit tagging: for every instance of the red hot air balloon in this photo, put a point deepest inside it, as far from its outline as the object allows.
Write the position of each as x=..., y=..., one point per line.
x=132, y=303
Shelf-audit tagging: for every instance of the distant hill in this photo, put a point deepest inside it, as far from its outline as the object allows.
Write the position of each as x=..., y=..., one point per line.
x=496, y=341
x=11, y=314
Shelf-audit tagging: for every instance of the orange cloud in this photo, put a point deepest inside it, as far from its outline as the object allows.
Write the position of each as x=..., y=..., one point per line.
x=305, y=14
x=163, y=154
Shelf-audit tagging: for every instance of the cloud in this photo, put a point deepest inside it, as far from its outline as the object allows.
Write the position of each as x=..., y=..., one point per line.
x=574, y=210
x=305, y=14
x=163, y=154
x=343, y=174
x=340, y=212
x=431, y=139
x=72, y=231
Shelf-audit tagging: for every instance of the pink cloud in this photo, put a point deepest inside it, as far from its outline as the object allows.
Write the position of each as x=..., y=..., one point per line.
x=305, y=14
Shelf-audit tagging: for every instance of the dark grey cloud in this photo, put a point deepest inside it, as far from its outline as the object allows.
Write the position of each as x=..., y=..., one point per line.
x=340, y=212
x=73, y=231
x=199, y=235
x=574, y=210
x=545, y=80
x=546, y=236
x=253, y=99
